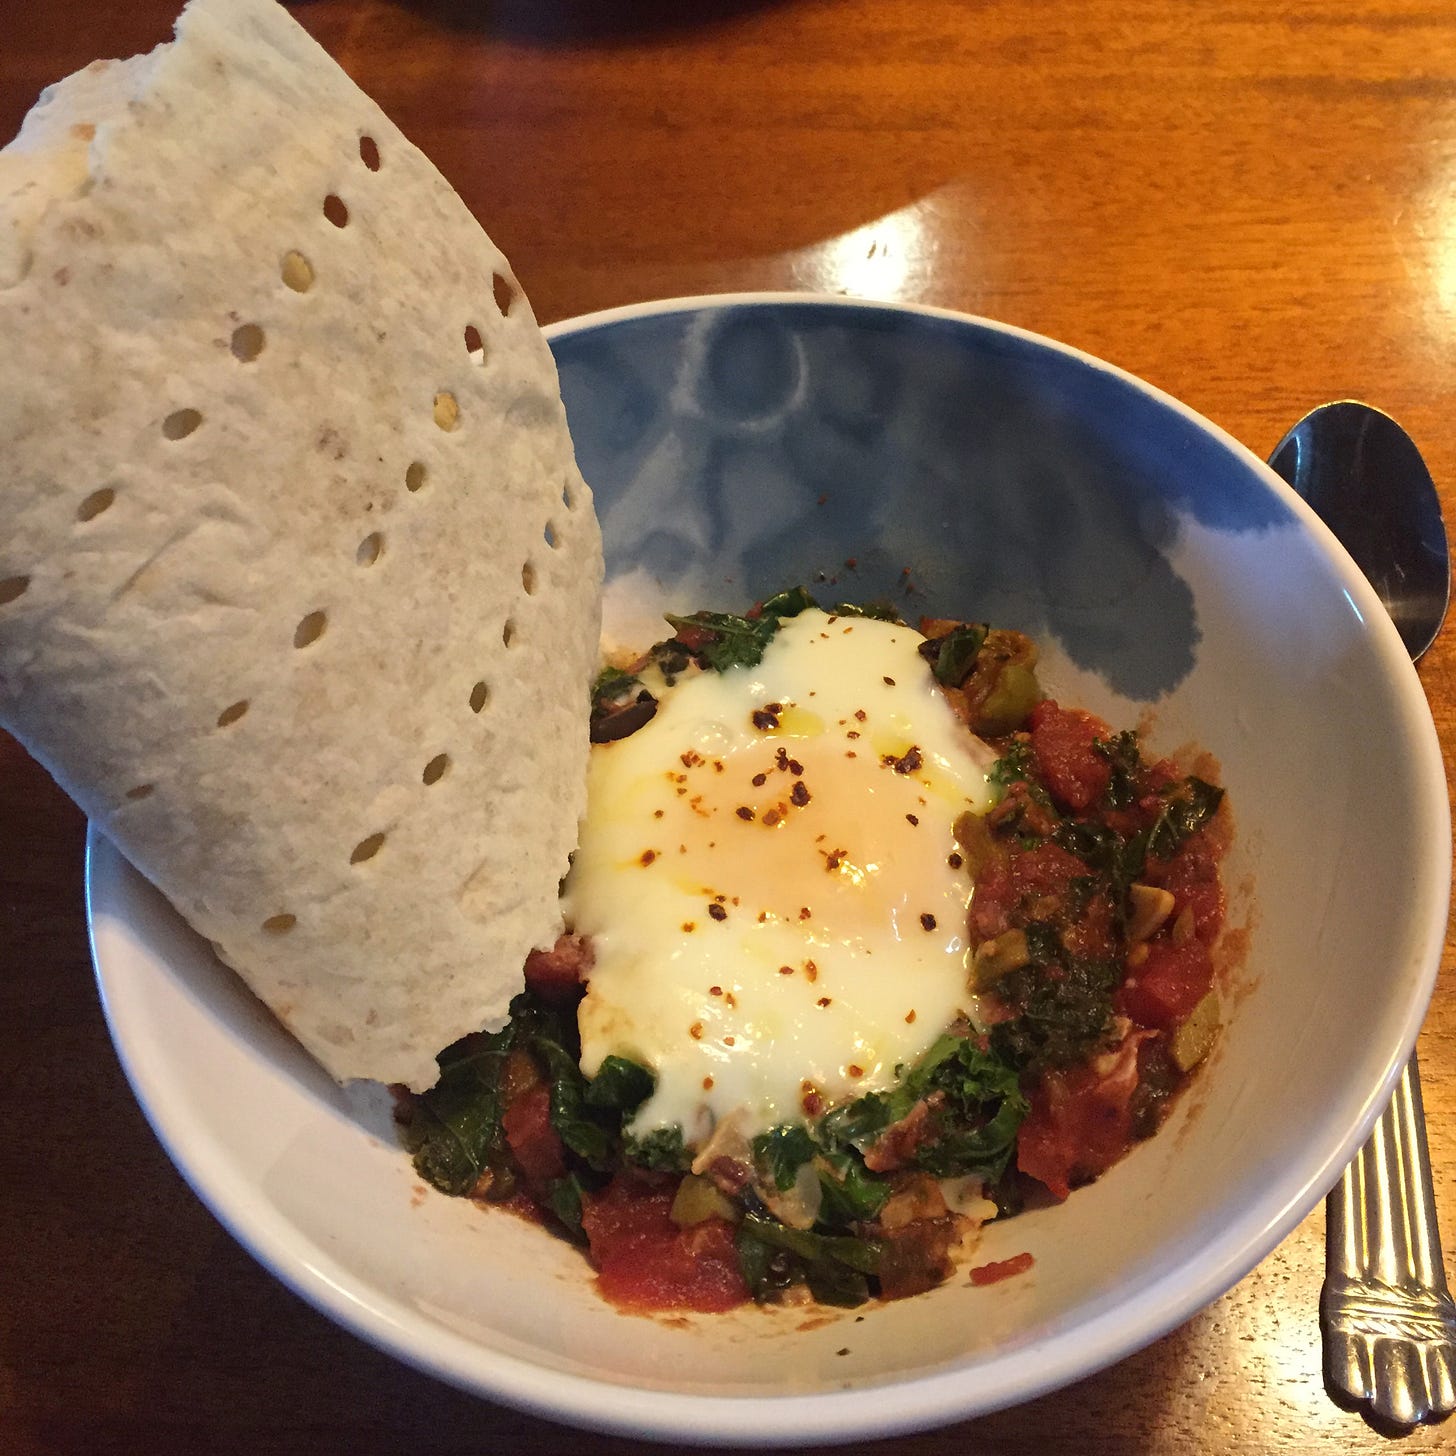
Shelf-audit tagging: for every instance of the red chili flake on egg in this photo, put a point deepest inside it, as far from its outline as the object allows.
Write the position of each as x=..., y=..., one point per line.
x=889, y=682
x=772, y=817
x=927, y=921
x=689, y=926
x=759, y=780
x=907, y=763
x=795, y=767
x=696, y=1031
x=691, y=759
x=823, y=1001
x=803, y=912
x=954, y=860
x=786, y=970
x=744, y=812
x=799, y=794
x=910, y=1018
x=860, y=714
x=913, y=818
x=719, y=913
x=727, y=1041
x=811, y=1101
x=834, y=859
x=763, y=720
x=715, y=990
x=854, y=1071
x=811, y=970
x=707, y=1084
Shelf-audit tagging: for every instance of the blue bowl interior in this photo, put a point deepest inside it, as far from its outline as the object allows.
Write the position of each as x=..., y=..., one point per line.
x=964, y=470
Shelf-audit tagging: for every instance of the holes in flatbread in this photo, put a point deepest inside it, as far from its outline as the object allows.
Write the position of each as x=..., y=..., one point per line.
x=95, y=503
x=310, y=629
x=297, y=271
x=369, y=152
x=335, y=210
x=12, y=587
x=370, y=549
x=504, y=291
x=550, y=534
x=414, y=477
x=232, y=713
x=568, y=496
x=479, y=697
x=247, y=343
x=435, y=769
x=366, y=849
x=280, y=924
x=447, y=411
x=474, y=344
x=508, y=632
x=181, y=423
x=141, y=791
x=528, y=579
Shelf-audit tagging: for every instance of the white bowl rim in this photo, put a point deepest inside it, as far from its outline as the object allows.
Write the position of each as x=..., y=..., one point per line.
x=916, y=1402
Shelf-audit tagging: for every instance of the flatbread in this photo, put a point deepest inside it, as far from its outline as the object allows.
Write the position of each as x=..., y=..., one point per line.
x=299, y=582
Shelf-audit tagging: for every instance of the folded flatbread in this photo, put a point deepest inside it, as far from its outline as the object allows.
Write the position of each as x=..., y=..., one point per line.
x=299, y=582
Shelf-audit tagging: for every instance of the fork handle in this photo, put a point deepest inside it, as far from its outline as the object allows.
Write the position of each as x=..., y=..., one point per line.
x=1387, y=1316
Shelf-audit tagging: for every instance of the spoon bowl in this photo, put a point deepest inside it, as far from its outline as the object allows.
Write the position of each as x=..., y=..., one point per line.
x=1367, y=481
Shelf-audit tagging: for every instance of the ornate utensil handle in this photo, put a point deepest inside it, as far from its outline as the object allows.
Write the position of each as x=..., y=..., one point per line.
x=1388, y=1318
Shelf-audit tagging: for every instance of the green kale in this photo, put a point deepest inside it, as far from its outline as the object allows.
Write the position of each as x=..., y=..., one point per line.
x=1018, y=766
x=850, y=1192
x=782, y=1151
x=620, y=1084
x=1122, y=752
x=1188, y=806
x=661, y=1150
x=612, y=686
x=563, y=1198
x=981, y=1106
x=1063, y=1012
x=788, y=603
x=879, y=611
x=730, y=641
x=836, y=1268
x=953, y=656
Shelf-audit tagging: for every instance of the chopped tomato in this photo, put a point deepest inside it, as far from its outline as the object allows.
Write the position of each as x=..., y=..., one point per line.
x=1001, y=1269
x=1192, y=876
x=527, y=1123
x=645, y=1262
x=1031, y=883
x=1080, y=1121
x=1167, y=985
x=557, y=975
x=1074, y=771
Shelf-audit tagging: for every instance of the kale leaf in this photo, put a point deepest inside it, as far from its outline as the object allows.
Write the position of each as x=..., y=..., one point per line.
x=661, y=1150
x=953, y=656
x=783, y=1150
x=1188, y=806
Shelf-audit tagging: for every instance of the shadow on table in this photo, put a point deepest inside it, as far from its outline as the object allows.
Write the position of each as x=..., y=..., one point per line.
x=551, y=23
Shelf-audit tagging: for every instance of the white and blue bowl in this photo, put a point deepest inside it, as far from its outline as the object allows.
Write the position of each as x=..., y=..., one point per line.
x=739, y=445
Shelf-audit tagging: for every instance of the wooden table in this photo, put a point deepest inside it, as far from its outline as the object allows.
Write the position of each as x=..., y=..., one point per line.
x=1255, y=212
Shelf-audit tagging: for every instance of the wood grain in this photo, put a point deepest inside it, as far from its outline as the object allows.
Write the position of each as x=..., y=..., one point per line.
x=1254, y=210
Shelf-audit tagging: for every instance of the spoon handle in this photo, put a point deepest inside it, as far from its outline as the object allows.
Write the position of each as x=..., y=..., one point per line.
x=1388, y=1318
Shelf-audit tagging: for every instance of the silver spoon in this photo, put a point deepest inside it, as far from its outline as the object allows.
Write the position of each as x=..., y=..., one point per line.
x=1386, y=1313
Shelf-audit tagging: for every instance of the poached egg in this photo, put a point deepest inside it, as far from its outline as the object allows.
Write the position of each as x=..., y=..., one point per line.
x=770, y=880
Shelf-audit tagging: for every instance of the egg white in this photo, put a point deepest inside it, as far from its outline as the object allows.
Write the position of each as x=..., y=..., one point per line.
x=770, y=881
